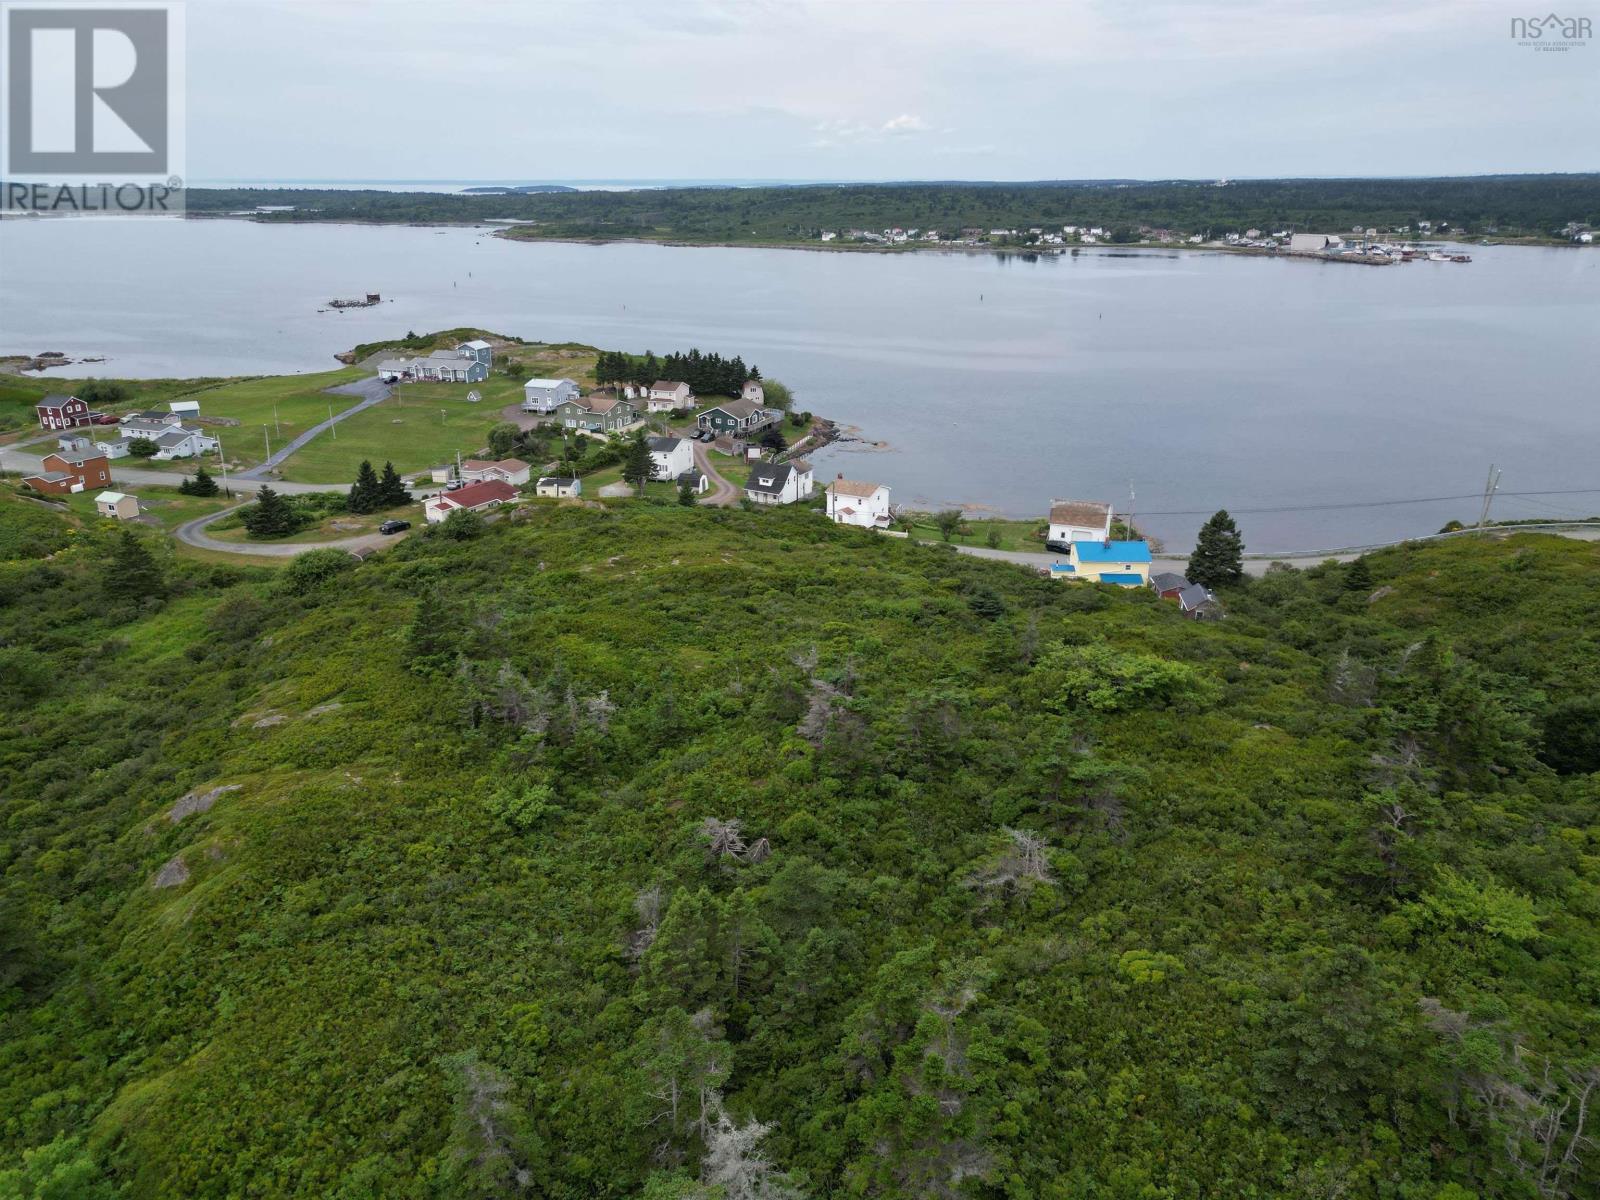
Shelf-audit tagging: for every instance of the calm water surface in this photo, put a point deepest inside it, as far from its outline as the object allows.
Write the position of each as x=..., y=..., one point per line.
x=1206, y=380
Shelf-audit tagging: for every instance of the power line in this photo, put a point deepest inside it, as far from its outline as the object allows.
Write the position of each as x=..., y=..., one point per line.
x=1206, y=512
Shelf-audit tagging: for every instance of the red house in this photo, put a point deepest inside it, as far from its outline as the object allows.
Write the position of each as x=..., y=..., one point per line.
x=71, y=471
x=62, y=412
x=475, y=497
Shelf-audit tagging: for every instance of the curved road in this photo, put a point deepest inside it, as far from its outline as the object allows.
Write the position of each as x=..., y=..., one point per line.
x=193, y=533
x=722, y=493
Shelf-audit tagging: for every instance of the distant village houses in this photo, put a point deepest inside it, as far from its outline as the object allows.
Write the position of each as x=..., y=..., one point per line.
x=467, y=363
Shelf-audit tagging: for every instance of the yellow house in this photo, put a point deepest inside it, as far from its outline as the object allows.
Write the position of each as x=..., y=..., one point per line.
x=1126, y=564
x=117, y=505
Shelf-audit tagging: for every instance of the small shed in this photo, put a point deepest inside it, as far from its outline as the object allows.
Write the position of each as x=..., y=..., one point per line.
x=117, y=505
x=185, y=408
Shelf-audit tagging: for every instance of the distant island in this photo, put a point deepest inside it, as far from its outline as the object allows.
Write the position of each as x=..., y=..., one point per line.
x=1541, y=209
x=518, y=189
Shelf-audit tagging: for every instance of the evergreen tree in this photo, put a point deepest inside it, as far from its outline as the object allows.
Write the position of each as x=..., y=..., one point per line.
x=686, y=494
x=1218, y=558
x=637, y=465
x=1358, y=576
x=134, y=573
x=201, y=485
x=774, y=440
x=392, y=491
x=270, y=516
x=366, y=493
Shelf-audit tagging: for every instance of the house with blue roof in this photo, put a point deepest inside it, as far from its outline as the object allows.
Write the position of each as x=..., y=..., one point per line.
x=1126, y=564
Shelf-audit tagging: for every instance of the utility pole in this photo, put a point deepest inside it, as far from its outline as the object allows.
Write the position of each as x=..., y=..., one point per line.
x=268, y=438
x=276, y=428
x=1489, y=489
x=332, y=427
x=223, y=456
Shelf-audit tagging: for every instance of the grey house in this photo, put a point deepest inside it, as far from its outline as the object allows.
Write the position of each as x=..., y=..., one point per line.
x=737, y=418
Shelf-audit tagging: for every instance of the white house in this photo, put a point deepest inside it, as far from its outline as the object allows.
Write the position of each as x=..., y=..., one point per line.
x=542, y=395
x=753, y=392
x=507, y=470
x=668, y=395
x=779, y=483
x=854, y=503
x=558, y=487
x=113, y=445
x=1078, y=521
x=117, y=505
x=181, y=442
x=670, y=457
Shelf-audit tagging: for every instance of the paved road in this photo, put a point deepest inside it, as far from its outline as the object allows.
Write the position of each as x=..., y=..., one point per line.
x=29, y=464
x=193, y=534
x=1257, y=564
x=372, y=391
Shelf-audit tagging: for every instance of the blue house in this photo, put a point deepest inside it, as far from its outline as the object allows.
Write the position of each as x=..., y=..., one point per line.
x=1126, y=564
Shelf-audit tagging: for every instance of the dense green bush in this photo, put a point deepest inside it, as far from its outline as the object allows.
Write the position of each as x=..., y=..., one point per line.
x=631, y=851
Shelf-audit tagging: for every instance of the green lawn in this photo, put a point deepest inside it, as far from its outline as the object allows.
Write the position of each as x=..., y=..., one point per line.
x=168, y=506
x=1014, y=535
x=277, y=408
x=423, y=426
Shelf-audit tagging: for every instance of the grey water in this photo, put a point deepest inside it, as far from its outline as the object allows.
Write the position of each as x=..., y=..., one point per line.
x=1305, y=397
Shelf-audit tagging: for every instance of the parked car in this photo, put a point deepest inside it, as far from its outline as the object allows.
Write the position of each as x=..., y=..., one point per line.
x=395, y=526
x=455, y=485
x=1059, y=547
x=103, y=418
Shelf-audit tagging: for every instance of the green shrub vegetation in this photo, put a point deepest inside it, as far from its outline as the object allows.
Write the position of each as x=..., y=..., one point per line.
x=662, y=851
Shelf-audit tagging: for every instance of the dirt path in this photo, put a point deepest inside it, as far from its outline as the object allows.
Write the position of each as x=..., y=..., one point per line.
x=722, y=493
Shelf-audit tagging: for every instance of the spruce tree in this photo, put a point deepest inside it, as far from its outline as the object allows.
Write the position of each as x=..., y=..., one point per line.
x=201, y=485
x=637, y=466
x=1358, y=576
x=1218, y=558
x=392, y=491
x=365, y=494
x=270, y=516
x=686, y=494
x=134, y=573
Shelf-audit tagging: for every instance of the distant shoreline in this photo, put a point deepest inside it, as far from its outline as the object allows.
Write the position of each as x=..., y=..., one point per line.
x=499, y=229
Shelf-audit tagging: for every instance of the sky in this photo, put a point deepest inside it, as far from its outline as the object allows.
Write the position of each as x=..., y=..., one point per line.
x=852, y=90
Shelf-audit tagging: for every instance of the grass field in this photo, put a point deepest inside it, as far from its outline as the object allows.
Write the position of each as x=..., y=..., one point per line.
x=167, y=506
x=423, y=426
x=1014, y=535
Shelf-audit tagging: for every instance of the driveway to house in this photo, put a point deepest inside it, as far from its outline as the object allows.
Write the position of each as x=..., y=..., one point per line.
x=522, y=420
x=193, y=534
x=372, y=391
x=723, y=493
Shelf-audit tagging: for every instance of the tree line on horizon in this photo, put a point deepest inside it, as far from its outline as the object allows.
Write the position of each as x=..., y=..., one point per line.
x=1528, y=205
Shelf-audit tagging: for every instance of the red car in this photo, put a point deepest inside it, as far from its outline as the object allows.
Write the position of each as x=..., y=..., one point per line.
x=103, y=418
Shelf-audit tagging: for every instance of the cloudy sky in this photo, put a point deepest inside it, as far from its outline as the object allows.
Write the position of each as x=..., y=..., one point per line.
x=906, y=89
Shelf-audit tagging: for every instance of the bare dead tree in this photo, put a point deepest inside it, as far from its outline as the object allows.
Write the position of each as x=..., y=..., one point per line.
x=599, y=709
x=648, y=906
x=724, y=839
x=734, y=1161
x=760, y=850
x=1024, y=860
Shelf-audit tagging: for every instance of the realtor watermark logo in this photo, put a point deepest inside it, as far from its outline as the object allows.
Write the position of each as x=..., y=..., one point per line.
x=1552, y=33
x=93, y=97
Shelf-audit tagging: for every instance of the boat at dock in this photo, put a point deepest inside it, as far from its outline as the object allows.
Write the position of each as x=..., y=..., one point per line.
x=370, y=299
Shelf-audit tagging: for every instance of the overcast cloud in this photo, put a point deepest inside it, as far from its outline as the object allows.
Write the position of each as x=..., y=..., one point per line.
x=839, y=89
